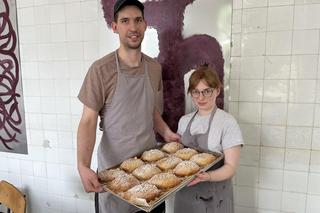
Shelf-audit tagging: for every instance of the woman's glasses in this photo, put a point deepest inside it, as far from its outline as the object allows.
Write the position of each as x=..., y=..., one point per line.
x=207, y=93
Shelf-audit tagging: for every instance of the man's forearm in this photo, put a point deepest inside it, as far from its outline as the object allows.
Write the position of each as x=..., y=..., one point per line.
x=159, y=125
x=163, y=129
x=86, y=138
x=85, y=145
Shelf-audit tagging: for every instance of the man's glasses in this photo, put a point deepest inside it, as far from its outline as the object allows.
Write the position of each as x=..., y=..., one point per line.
x=207, y=93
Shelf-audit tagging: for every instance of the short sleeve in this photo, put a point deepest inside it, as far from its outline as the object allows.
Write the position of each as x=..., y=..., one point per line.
x=183, y=123
x=180, y=130
x=92, y=92
x=231, y=135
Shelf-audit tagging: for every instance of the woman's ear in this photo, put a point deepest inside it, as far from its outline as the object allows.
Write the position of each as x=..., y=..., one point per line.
x=218, y=91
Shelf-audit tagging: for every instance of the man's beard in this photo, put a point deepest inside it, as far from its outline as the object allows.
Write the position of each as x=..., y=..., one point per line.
x=134, y=46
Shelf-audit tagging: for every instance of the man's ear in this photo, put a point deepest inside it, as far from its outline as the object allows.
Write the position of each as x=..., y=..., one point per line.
x=114, y=27
x=146, y=25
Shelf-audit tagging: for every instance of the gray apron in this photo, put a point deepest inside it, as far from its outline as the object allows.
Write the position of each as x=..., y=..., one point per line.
x=204, y=197
x=127, y=129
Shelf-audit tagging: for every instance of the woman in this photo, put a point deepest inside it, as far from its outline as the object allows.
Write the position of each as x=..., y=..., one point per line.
x=208, y=129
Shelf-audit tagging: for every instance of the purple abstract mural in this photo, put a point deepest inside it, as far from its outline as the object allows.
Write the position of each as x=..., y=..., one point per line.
x=12, y=127
x=177, y=55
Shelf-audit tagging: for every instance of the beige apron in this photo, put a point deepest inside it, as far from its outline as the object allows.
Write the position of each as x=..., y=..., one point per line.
x=204, y=197
x=127, y=129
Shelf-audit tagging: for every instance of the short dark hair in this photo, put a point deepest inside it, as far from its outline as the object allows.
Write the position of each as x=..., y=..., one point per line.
x=122, y=3
x=206, y=73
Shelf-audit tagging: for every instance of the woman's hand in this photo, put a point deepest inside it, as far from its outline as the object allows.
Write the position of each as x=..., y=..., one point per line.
x=201, y=177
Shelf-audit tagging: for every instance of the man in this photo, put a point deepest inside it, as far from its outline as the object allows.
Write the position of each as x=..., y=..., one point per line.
x=124, y=88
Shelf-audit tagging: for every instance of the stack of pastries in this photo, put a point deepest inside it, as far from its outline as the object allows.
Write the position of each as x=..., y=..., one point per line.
x=156, y=172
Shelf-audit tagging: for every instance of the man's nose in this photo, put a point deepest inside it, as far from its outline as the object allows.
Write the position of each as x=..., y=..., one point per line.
x=132, y=25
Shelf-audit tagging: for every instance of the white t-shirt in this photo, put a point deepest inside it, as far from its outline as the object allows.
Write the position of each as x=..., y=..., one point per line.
x=223, y=134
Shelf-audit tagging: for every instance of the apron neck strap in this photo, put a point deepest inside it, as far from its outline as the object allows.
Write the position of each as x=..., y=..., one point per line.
x=118, y=64
x=210, y=119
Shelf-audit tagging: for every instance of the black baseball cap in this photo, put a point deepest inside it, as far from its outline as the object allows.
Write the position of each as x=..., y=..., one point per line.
x=121, y=3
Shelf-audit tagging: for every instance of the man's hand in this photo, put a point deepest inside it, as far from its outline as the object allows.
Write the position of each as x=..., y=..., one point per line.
x=90, y=180
x=201, y=177
x=163, y=129
x=170, y=136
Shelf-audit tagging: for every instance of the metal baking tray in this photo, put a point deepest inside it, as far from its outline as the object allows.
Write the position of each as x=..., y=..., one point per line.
x=186, y=180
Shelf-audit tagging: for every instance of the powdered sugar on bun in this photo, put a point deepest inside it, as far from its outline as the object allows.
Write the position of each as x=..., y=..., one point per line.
x=146, y=171
x=152, y=155
x=203, y=159
x=172, y=147
x=131, y=164
x=185, y=153
x=165, y=180
x=168, y=162
x=110, y=174
x=186, y=168
x=122, y=183
x=144, y=190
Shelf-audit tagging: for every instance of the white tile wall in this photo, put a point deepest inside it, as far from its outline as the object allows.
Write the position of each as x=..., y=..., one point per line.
x=293, y=202
x=247, y=176
x=251, y=67
x=56, y=38
x=274, y=113
x=297, y=160
x=272, y=157
x=313, y=204
x=254, y=20
x=313, y=186
x=269, y=199
x=274, y=94
x=277, y=67
x=304, y=67
x=251, y=133
x=273, y=136
x=275, y=90
x=305, y=16
x=305, y=42
x=253, y=44
x=295, y=181
x=286, y=120
x=249, y=112
x=250, y=90
x=254, y=3
x=271, y=178
x=251, y=156
x=298, y=137
x=236, y=20
x=280, y=2
x=278, y=42
x=315, y=161
x=250, y=198
x=302, y=91
x=300, y=114
x=280, y=18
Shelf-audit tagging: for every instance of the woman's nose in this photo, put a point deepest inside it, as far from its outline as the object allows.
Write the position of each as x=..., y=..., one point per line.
x=201, y=96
